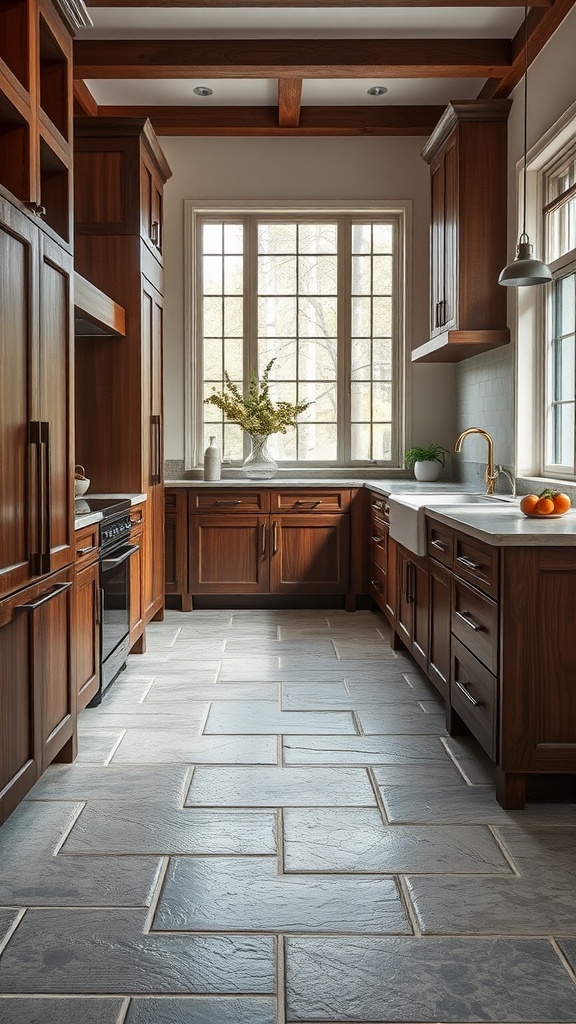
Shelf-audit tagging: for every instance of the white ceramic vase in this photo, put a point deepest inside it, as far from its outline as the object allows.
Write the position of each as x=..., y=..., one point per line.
x=428, y=470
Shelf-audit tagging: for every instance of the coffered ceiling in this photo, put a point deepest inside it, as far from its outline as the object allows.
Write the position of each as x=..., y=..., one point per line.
x=297, y=67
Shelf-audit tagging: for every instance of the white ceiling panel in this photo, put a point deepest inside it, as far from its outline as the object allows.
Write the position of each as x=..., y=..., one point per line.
x=401, y=91
x=326, y=23
x=228, y=92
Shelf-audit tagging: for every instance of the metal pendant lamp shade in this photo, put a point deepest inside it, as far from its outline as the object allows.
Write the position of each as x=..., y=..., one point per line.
x=524, y=269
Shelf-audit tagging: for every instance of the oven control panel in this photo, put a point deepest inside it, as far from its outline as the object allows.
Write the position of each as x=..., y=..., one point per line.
x=114, y=530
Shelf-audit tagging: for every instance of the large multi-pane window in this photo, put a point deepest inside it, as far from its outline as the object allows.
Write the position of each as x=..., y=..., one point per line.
x=560, y=233
x=319, y=296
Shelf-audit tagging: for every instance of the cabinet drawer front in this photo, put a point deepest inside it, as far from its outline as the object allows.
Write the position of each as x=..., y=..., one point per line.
x=475, y=623
x=474, y=696
x=309, y=500
x=377, y=585
x=379, y=506
x=86, y=547
x=440, y=542
x=229, y=501
x=137, y=514
x=378, y=542
x=477, y=563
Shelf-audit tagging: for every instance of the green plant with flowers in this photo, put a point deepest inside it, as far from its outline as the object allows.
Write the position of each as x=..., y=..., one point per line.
x=255, y=411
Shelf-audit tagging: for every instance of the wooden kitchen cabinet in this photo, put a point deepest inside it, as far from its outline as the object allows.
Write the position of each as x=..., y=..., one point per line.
x=35, y=403
x=119, y=383
x=37, y=700
x=467, y=153
x=176, y=546
x=412, y=604
x=137, y=535
x=87, y=612
x=36, y=102
x=259, y=541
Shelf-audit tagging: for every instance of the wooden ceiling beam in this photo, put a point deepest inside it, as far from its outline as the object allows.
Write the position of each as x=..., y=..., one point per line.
x=84, y=102
x=364, y=120
x=292, y=58
x=314, y=4
x=541, y=24
x=289, y=102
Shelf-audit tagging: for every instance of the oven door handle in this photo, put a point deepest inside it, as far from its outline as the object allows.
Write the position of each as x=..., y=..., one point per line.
x=111, y=563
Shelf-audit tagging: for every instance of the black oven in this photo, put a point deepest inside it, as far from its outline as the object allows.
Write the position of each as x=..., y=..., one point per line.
x=115, y=554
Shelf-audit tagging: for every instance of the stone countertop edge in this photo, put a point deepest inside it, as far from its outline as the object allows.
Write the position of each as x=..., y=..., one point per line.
x=134, y=499
x=86, y=519
x=509, y=528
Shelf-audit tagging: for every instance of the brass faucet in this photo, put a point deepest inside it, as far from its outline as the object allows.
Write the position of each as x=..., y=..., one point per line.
x=491, y=476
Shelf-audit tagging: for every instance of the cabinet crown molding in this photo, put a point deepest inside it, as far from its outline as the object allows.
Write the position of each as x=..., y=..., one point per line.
x=463, y=110
x=122, y=128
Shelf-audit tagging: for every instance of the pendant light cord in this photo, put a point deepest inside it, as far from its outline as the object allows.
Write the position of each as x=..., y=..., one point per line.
x=524, y=236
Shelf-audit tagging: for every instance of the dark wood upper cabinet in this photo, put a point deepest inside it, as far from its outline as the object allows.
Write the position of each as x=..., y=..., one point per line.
x=467, y=153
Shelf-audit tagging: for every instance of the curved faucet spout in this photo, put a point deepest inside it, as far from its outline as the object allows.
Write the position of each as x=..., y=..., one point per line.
x=490, y=476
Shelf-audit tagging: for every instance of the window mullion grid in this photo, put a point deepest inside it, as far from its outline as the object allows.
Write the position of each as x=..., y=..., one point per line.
x=344, y=342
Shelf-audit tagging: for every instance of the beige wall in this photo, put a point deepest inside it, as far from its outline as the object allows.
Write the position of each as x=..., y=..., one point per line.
x=301, y=169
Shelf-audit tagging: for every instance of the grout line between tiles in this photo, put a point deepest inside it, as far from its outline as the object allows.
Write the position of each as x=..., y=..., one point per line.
x=378, y=795
x=204, y=720
x=505, y=851
x=186, y=784
x=4, y=942
x=280, y=980
x=156, y=896
x=357, y=723
x=108, y=759
x=68, y=828
x=456, y=763
x=123, y=1011
x=409, y=906
x=146, y=692
x=280, y=841
x=280, y=752
x=563, y=958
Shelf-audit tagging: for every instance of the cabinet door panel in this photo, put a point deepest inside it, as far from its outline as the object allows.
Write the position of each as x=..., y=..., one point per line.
x=228, y=555
x=176, y=544
x=440, y=617
x=87, y=634
x=404, y=610
x=18, y=374
x=419, y=584
x=309, y=554
x=56, y=400
x=19, y=755
x=52, y=625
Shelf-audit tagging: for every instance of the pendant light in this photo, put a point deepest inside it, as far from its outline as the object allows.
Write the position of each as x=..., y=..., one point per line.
x=524, y=269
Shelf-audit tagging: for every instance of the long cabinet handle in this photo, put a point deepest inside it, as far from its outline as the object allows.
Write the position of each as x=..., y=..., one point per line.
x=31, y=606
x=469, y=563
x=263, y=548
x=155, y=429
x=307, y=504
x=274, y=537
x=439, y=545
x=160, y=449
x=37, y=540
x=469, y=697
x=467, y=618
x=376, y=584
x=45, y=493
x=155, y=233
x=228, y=503
x=112, y=563
x=86, y=551
x=377, y=540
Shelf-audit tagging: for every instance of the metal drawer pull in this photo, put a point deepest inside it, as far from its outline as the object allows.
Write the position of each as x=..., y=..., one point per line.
x=378, y=504
x=309, y=504
x=468, y=696
x=263, y=539
x=376, y=584
x=274, y=538
x=465, y=616
x=86, y=551
x=237, y=502
x=31, y=606
x=377, y=540
x=136, y=522
x=438, y=544
x=469, y=563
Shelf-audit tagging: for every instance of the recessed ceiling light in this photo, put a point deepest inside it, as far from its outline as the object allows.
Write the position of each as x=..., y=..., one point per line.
x=377, y=90
x=202, y=90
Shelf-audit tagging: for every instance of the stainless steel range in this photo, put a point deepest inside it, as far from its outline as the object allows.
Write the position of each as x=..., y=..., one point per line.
x=115, y=554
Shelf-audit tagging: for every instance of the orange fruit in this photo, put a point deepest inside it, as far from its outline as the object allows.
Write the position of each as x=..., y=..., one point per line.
x=561, y=502
x=529, y=502
x=544, y=506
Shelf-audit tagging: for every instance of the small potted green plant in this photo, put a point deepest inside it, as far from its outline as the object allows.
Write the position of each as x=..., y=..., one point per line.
x=426, y=461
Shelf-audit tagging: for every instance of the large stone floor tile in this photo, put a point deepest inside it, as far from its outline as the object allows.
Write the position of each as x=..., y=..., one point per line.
x=493, y=906
x=424, y=751
x=120, y=783
x=450, y=806
x=355, y=839
x=155, y=828
x=153, y=716
x=540, y=851
x=386, y=689
x=248, y=647
x=471, y=760
x=169, y=688
x=47, y=1010
x=249, y=670
x=96, y=745
x=86, y=882
x=203, y=1010
x=231, y=893
x=280, y=787
x=411, y=775
x=7, y=919
x=106, y=951
x=399, y=719
x=339, y=695
x=427, y=980
x=259, y=718
x=148, y=746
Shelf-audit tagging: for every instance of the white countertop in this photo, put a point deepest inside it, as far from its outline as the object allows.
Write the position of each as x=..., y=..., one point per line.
x=82, y=519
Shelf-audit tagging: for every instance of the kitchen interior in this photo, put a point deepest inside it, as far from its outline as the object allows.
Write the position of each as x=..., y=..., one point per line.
x=297, y=748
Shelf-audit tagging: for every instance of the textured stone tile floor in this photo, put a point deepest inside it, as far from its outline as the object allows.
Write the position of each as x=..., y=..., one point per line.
x=267, y=824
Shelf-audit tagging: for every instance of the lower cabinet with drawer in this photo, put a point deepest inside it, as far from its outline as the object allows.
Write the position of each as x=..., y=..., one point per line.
x=86, y=660
x=510, y=645
x=258, y=541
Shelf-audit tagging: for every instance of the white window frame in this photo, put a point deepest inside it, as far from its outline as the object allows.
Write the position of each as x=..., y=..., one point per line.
x=194, y=211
